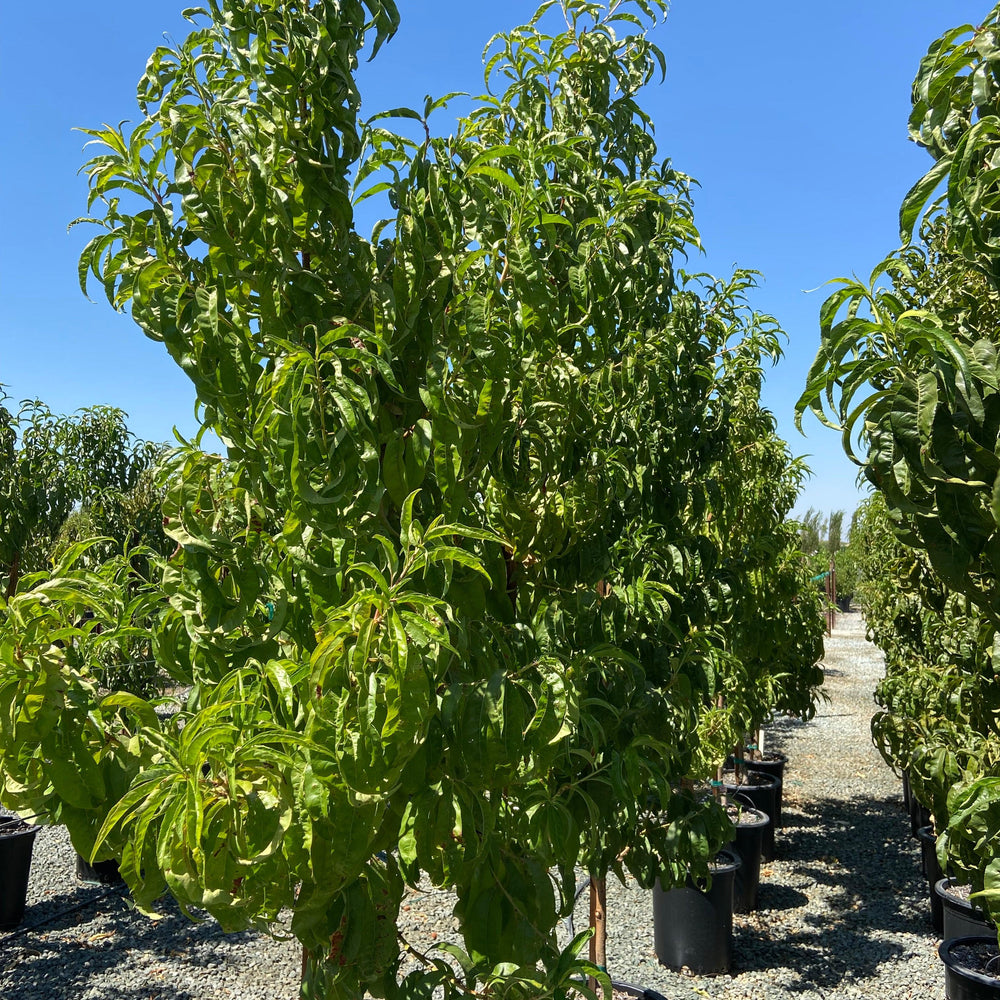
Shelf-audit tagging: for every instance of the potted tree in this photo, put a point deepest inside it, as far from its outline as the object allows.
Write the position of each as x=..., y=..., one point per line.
x=398, y=601
x=428, y=604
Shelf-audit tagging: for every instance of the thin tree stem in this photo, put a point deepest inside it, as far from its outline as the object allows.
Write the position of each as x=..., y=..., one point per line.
x=598, y=921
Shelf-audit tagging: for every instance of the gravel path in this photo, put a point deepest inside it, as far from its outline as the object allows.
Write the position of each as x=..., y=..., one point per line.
x=843, y=909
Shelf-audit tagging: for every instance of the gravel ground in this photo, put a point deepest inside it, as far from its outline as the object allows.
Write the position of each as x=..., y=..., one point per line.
x=843, y=914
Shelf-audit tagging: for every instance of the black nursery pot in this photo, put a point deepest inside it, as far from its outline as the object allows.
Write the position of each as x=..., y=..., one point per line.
x=773, y=764
x=969, y=964
x=16, y=842
x=693, y=923
x=906, y=790
x=763, y=791
x=748, y=844
x=961, y=918
x=98, y=873
x=932, y=869
x=920, y=815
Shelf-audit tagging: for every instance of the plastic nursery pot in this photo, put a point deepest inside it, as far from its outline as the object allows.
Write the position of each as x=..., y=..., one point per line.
x=762, y=790
x=920, y=815
x=16, y=842
x=747, y=844
x=971, y=965
x=773, y=763
x=693, y=923
x=961, y=918
x=932, y=869
x=98, y=873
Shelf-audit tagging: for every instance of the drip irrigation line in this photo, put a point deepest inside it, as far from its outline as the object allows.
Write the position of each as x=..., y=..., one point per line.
x=62, y=913
x=10, y=820
x=568, y=921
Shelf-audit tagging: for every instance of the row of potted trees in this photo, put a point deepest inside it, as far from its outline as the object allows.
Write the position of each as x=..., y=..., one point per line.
x=934, y=726
x=908, y=371
x=495, y=569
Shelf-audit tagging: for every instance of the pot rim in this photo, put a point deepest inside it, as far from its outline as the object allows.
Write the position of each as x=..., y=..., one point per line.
x=769, y=757
x=726, y=861
x=944, y=953
x=941, y=887
x=769, y=781
x=28, y=829
x=760, y=817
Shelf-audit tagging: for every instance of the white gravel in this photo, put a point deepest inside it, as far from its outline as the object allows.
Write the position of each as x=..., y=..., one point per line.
x=844, y=910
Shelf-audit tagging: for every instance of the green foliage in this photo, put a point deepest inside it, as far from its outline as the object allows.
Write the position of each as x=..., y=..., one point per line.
x=849, y=558
x=907, y=370
x=70, y=480
x=821, y=541
x=812, y=532
x=69, y=750
x=501, y=518
x=565, y=976
x=63, y=479
x=937, y=700
x=833, y=532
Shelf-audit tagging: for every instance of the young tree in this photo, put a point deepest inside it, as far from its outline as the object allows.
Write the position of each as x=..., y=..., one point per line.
x=447, y=605
x=87, y=467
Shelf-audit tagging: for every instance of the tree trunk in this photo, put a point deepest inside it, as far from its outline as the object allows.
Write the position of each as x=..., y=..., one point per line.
x=15, y=575
x=598, y=921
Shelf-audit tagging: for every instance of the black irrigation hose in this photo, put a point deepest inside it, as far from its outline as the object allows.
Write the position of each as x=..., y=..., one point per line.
x=62, y=913
x=11, y=820
x=568, y=921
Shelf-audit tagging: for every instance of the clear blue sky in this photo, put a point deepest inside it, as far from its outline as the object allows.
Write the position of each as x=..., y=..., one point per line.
x=792, y=117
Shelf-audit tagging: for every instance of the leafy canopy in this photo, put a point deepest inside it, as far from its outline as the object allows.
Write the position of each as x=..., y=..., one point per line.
x=454, y=602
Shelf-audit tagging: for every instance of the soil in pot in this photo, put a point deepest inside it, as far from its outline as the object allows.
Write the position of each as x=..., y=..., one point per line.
x=962, y=918
x=750, y=826
x=762, y=790
x=971, y=967
x=932, y=870
x=17, y=839
x=693, y=923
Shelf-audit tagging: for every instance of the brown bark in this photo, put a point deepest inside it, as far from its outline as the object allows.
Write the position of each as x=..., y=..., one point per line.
x=508, y=558
x=598, y=921
x=15, y=575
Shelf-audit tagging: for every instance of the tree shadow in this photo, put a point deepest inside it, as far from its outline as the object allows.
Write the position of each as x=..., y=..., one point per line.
x=70, y=953
x=774, y=898
x=859, y=855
